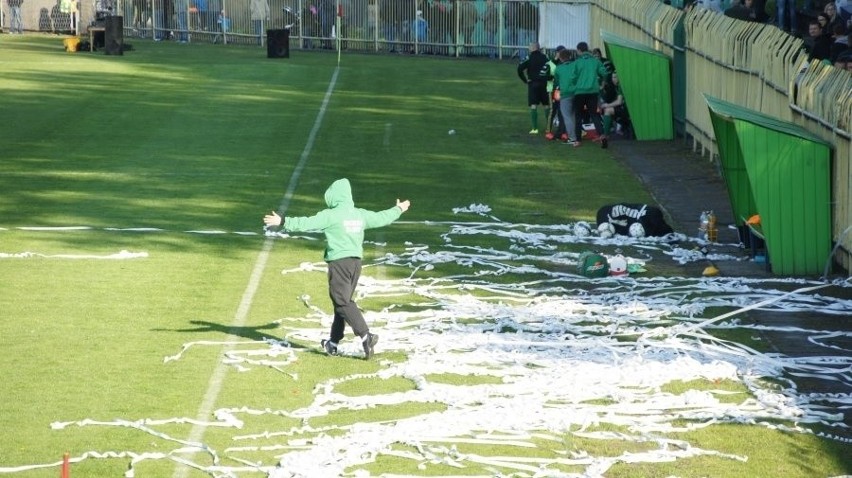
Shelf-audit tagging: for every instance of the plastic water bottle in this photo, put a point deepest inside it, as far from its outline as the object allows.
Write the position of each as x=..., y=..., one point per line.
x=712, y=230
x=703, y=223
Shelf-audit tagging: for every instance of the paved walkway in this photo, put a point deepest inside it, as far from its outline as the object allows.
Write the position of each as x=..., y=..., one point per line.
x=684, y=183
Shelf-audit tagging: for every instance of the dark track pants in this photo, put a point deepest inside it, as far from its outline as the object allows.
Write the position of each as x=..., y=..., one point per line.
x=587, y=104
x=343, y=277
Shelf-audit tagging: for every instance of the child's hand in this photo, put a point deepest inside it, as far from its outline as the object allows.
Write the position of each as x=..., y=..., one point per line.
x=272, y=219
x=404, y=205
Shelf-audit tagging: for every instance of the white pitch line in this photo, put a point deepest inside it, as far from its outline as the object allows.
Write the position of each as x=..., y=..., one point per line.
x=387, y=136
x=214, y=386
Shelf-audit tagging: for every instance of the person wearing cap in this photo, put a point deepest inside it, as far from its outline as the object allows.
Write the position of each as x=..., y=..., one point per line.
x=421, y=29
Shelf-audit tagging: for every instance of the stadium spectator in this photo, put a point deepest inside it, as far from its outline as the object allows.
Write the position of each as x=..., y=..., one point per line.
x=386, y=20
x=159, y=19
x=510, y=27
x=223, y=21
x=823, y=20
x=785, y=9
x=343, y=225
x=712, y=5
x=817, y=44
x=194, y=17
x=759, y=7
x=310, y=23
x=844, y=9
x=844, y=61
x=527, y=22
x=420, y=28
x=16, y=23
x=833, y=18
x=535, y=73
x=839, y=44
x=205, y=14
x=587, y=73
x=181, y=16
x=328, y=16
x=437, y=16
x=259, y=13
x=372, y=15
x=215, y=7
x=140, y=15
x=404, y=12
x=743, y=10
x=467, y=18
x=491, y=26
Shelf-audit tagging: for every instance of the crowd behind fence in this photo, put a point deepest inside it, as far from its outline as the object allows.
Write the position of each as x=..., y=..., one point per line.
x=493, y=28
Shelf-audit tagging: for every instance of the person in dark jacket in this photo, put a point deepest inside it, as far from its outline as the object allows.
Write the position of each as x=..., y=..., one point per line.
x=817, y=44
x=535, y=72
x=840, y=43
x=343, y=225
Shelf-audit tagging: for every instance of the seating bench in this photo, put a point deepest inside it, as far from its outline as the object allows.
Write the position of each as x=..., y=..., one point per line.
x=93, y=30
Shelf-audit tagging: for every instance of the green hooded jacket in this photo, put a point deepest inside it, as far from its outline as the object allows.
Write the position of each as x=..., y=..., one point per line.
x=342, y=223
x=562, y=79
x=586, y=74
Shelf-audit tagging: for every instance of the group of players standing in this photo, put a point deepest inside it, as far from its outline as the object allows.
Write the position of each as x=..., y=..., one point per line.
x=574, y=88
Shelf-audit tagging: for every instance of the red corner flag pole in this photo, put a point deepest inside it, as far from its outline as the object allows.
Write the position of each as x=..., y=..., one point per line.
x=66, y=466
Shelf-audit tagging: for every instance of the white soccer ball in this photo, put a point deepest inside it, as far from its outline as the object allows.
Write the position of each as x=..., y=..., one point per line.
x=606, y=230
x=451, y=132
x=637, y=230
x=582, y=229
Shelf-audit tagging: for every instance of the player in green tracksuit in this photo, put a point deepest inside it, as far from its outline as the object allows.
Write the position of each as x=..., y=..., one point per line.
x=343, y=225
x=587, y=74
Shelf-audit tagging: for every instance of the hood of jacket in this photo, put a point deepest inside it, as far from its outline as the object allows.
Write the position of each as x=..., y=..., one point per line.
x=339, y=194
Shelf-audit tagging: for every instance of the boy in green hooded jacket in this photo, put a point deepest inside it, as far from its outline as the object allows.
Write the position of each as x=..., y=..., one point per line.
x=343, y=225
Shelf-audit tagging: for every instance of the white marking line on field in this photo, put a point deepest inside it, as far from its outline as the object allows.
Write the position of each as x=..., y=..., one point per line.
x=118, y=255
x=386, y=139
x=214, y=386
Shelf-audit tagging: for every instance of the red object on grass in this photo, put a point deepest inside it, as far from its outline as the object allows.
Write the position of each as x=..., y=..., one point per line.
x=66, y=466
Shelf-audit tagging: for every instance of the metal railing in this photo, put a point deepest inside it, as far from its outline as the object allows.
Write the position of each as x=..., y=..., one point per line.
x=487, y=28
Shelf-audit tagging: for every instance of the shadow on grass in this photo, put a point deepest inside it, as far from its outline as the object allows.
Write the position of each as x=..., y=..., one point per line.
x=254, y=333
